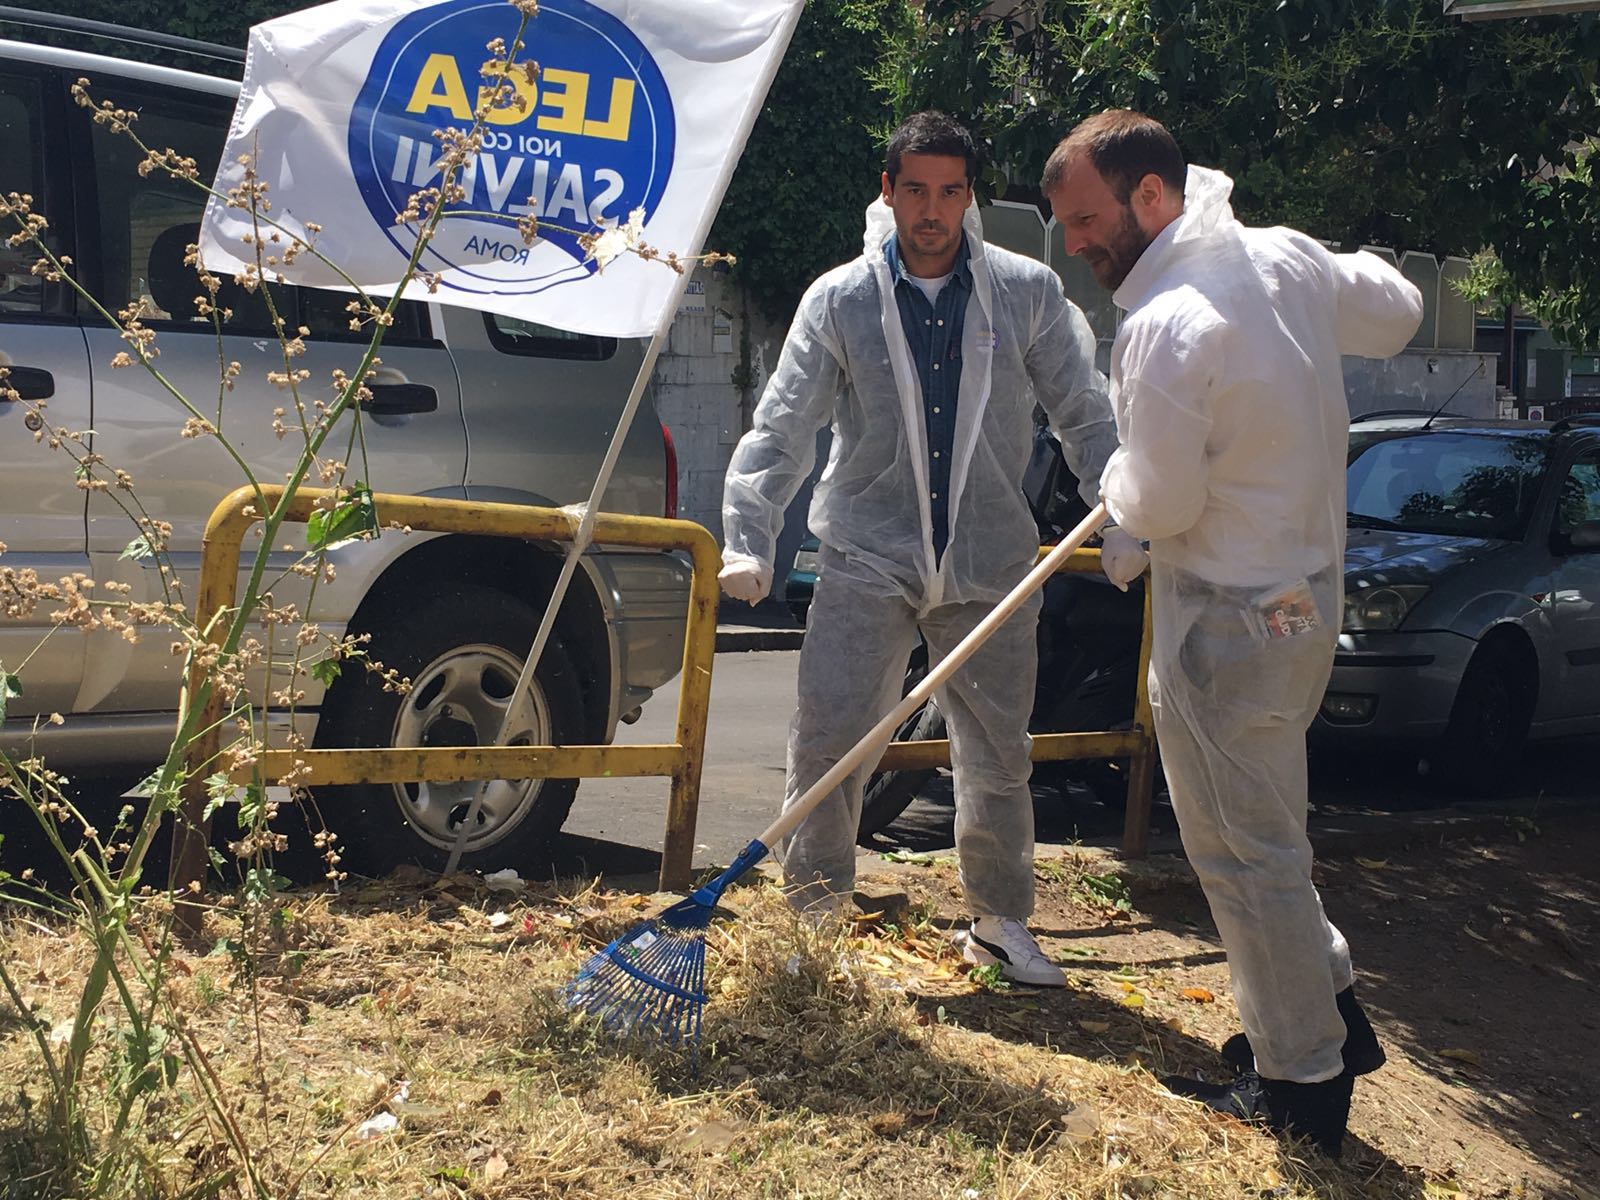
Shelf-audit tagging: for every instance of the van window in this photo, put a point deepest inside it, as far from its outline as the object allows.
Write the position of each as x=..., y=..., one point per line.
x=20, y=140
x=513, y=336
x=147, y=224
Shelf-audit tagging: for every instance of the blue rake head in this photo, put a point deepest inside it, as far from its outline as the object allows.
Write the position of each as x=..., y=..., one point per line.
x=651, y=980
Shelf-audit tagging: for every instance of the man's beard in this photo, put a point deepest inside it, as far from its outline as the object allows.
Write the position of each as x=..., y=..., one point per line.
x=1112, y=262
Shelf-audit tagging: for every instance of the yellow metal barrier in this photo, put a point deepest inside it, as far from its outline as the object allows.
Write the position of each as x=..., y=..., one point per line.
x=1137, y=745
x=681, y=760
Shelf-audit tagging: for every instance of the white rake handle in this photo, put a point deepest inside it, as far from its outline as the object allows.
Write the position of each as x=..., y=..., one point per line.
x=917, y=696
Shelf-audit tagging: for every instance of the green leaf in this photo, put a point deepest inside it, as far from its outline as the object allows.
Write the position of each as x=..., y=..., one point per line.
x=326, y=670
x=355, y=518
x=251, y=805
x=10, y=689
x=139, y=548
x=220, y=789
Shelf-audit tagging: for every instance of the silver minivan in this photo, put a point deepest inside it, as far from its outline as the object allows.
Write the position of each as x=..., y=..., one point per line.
x=467, y=405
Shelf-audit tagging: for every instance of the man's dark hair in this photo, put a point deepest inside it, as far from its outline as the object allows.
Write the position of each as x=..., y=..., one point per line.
x=1124, y=147
x=931, y=133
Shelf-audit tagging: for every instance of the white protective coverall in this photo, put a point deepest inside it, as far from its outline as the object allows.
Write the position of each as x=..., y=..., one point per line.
x=846, y=361
x=1230, y=405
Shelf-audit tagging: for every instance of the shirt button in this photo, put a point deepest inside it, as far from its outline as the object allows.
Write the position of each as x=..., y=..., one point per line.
x=933, y=495
x=941, y=322
x=936, y=454
x=935, y=366
x=935, y=408
x=930, y=322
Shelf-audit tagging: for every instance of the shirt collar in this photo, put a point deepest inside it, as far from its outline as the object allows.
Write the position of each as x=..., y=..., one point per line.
x=961, y=271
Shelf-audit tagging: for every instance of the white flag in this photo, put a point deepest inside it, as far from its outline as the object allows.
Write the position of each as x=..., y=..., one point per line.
x=636, y=106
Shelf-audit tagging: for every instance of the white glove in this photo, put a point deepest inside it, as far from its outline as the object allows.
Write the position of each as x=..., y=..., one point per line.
x=1122, y=558
x=746, y=580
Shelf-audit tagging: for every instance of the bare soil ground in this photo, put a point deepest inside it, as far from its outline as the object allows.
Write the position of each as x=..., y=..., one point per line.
x=406, y=1040
x=1479, y=962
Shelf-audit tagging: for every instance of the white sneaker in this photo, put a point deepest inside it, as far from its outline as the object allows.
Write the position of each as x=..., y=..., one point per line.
x=1007, y=942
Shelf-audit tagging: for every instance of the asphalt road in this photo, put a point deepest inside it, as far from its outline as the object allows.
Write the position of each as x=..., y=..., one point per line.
x=752, y=699
x=1371, y=802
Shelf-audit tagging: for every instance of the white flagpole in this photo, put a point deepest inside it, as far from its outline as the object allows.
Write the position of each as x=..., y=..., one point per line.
x=569, y=564
x=580, y=540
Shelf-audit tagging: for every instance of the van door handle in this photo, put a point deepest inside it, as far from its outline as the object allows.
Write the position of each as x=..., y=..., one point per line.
x=30, y=383
x=400, y=399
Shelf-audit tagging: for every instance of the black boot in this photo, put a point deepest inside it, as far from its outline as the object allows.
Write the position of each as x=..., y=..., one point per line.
x=1319, y=1112
x=1362, y=1052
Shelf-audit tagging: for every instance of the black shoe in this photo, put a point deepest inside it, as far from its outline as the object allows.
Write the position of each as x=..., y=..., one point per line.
x=1319, y=1112
x=1362, y=1053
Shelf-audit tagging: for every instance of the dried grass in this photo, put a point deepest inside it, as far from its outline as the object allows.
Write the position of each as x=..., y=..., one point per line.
x=818, y=1077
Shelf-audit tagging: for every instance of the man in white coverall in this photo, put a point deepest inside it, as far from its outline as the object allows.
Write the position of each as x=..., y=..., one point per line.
x=1230, y=406
x=926, y=354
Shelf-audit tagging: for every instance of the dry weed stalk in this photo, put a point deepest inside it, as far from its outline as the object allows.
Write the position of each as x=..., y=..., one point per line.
x=227, y=654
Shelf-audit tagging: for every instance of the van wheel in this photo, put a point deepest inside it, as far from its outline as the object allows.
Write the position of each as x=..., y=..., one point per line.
x=1488, y=722
x=462, y=646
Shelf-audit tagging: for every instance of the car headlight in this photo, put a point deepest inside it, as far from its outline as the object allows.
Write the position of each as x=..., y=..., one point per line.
x=806, y=561
x=1380, y=609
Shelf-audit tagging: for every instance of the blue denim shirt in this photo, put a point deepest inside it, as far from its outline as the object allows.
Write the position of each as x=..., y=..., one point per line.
x=933, y=332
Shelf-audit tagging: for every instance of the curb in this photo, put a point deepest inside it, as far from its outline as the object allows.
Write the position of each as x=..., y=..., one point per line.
x=742, y=638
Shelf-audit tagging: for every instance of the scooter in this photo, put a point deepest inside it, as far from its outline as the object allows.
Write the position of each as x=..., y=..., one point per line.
x=1088, y=662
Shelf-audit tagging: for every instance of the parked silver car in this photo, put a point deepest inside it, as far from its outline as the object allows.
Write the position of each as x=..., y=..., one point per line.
x=1472, y=577
x=467, y=406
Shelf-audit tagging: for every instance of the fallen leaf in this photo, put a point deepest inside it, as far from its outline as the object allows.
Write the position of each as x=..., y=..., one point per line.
x=491, y=1099
x=1373, y=864
x=887, y=1124
x=1473, y=933
x=495, y=1169
x=1095, y=1026
x=1469, y=1057
x=713, y=1137
x=1081, y=1123
x=1175, y=1024
x=499, y=920
x=1199, y=995
x=922, y=1116
x=1133, y=1000
x=1271, y=1180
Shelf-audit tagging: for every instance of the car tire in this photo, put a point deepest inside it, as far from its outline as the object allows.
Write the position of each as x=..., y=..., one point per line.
x=890, y=793
x=1488, y=723
x=462, y=646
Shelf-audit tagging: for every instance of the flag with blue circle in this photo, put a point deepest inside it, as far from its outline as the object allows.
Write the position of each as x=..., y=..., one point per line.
x=630, y=117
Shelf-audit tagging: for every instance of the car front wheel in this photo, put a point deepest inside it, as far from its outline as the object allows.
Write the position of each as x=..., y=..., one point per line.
x=1488, y=722
x=462, y=646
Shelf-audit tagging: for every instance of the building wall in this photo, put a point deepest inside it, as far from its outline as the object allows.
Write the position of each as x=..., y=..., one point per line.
x=695, y=395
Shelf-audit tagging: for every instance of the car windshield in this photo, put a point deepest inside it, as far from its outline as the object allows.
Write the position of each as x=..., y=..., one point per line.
x=1437, y=481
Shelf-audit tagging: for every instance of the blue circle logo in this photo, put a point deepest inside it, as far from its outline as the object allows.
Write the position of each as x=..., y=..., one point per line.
x=591, y=140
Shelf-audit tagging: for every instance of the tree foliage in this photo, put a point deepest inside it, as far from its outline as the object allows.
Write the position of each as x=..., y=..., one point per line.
x=202, y=20
x=795, y=205
x=1377, y=121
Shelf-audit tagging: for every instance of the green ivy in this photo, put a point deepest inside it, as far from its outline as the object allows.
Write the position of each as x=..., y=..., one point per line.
x=797, y=201
x=1361, y=121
